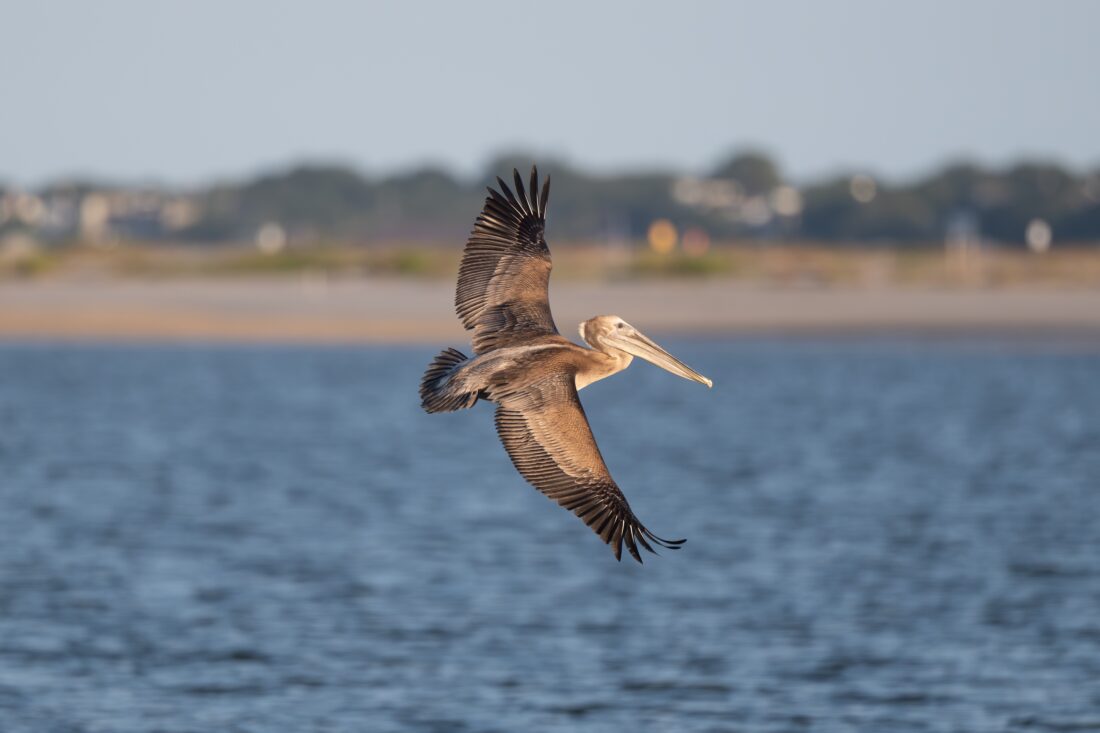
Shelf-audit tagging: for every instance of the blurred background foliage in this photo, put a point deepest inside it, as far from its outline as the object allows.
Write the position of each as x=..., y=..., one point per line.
x=744, y=197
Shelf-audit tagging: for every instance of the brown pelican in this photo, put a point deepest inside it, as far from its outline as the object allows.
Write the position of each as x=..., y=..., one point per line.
x=532, y=373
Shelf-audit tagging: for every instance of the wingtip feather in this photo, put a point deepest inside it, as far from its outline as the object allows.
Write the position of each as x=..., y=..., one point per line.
x=545, y=196
x=521, y=194
x=535, y=190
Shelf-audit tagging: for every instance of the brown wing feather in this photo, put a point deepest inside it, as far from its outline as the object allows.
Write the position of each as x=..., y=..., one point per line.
x=503, y=282
x=546, y=433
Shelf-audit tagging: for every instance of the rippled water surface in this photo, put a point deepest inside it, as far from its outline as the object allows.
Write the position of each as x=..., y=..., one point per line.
x=883, y=535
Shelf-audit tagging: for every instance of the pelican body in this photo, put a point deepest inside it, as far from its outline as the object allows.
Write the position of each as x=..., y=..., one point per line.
x=533, y=373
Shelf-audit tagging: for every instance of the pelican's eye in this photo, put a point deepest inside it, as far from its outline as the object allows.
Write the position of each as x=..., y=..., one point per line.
x=620, y=324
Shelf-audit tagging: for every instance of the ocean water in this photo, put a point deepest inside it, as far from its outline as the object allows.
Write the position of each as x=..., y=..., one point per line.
x=883, y=535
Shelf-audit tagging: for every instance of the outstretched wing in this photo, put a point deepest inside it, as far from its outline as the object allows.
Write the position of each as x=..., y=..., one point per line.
x=502, y=292
x=546, y=433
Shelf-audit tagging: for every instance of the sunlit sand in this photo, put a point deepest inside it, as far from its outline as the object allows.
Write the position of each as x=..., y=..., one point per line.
x=368, y=310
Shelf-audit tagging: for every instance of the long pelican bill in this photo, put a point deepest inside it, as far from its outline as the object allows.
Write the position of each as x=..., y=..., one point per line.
x=638, y=344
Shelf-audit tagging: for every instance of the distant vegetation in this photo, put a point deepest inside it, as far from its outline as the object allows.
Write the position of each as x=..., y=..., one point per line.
x=745, y=198
x=776, y=265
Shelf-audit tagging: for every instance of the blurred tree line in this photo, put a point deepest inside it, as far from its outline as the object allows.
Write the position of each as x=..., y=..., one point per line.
x=746, y=196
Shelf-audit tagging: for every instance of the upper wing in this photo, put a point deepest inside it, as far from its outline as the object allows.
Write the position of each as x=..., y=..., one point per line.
x=502, y=284
x=546, y=433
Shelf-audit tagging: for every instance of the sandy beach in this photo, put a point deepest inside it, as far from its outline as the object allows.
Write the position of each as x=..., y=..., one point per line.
x=365, y=310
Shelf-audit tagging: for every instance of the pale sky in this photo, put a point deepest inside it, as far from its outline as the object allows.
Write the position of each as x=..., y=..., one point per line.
x=187, y=92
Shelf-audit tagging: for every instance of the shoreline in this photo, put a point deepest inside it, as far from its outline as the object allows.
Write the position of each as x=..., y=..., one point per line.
x=395, y=311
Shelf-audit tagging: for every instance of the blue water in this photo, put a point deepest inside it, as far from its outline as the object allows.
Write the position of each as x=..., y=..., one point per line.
x=883, y=535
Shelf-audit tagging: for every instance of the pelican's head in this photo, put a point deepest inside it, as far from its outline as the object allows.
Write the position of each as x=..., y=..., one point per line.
x=605, y=333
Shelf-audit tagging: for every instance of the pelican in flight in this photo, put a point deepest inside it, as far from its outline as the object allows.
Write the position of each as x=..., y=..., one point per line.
x=533, y=373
